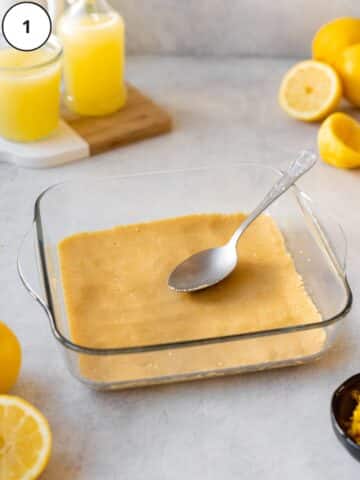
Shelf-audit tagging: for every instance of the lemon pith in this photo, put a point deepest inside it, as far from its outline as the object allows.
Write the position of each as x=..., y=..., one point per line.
x=310, y=90
x=339, y=141
x=25, y=439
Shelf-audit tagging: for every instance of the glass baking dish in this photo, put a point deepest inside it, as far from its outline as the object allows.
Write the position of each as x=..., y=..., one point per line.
x=315, y=241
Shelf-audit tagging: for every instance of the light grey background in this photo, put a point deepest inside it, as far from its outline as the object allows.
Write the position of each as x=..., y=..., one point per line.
x=225, y=27
x=228, y=27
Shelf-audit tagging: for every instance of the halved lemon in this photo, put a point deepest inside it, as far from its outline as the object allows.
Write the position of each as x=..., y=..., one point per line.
x=339, y=141
x=310, y=91
x=25, y=440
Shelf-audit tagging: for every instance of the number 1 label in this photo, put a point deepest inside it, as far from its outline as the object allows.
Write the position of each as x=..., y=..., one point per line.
x=27, y=26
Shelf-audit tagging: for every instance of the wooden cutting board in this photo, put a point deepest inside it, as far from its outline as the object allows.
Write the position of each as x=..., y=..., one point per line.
x=140, y=119
x=80, y=137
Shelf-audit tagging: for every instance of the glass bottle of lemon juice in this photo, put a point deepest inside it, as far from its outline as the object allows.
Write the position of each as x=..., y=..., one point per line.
x=92, y=34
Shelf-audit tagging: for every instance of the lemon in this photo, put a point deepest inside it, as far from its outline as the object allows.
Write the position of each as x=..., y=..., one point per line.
x=310, y=90
x=25, y=440
x=334, y=37
x=349, y=69
x=10, y=358
x=339, y=141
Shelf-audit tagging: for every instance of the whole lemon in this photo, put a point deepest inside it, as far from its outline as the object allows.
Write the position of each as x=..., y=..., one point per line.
x=333, y=37
x=10, y=358
x=349, y=70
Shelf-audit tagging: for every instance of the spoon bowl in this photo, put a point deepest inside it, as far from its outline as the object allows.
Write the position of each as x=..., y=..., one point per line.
x=203, y=269
x=211, y=266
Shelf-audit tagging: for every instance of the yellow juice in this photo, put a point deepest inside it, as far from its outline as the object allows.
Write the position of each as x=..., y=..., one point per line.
x=94, y=63
x=29, y=94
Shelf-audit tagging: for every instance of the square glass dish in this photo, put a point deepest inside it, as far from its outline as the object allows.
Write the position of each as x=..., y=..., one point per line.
x=315, y=241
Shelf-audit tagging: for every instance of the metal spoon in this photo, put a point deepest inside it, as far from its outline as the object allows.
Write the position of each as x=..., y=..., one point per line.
x=209, y=267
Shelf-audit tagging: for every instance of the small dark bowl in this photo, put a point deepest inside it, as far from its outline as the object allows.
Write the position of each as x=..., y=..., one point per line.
x=342, y=407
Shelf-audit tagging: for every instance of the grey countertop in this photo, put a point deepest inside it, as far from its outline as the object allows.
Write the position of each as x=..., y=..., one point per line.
x=272, y=424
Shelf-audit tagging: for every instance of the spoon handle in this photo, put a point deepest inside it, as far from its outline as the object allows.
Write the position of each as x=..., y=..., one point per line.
x=305, y=161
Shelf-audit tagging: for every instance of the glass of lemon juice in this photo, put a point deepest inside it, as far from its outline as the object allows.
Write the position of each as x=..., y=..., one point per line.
x=30, y=91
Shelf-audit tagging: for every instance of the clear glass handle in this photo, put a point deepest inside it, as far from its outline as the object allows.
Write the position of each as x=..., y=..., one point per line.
x=302, y=164
x=27, y=269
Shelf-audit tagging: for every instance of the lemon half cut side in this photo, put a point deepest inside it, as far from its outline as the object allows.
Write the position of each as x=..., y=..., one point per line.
x=310, y=91
x=25, y=440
